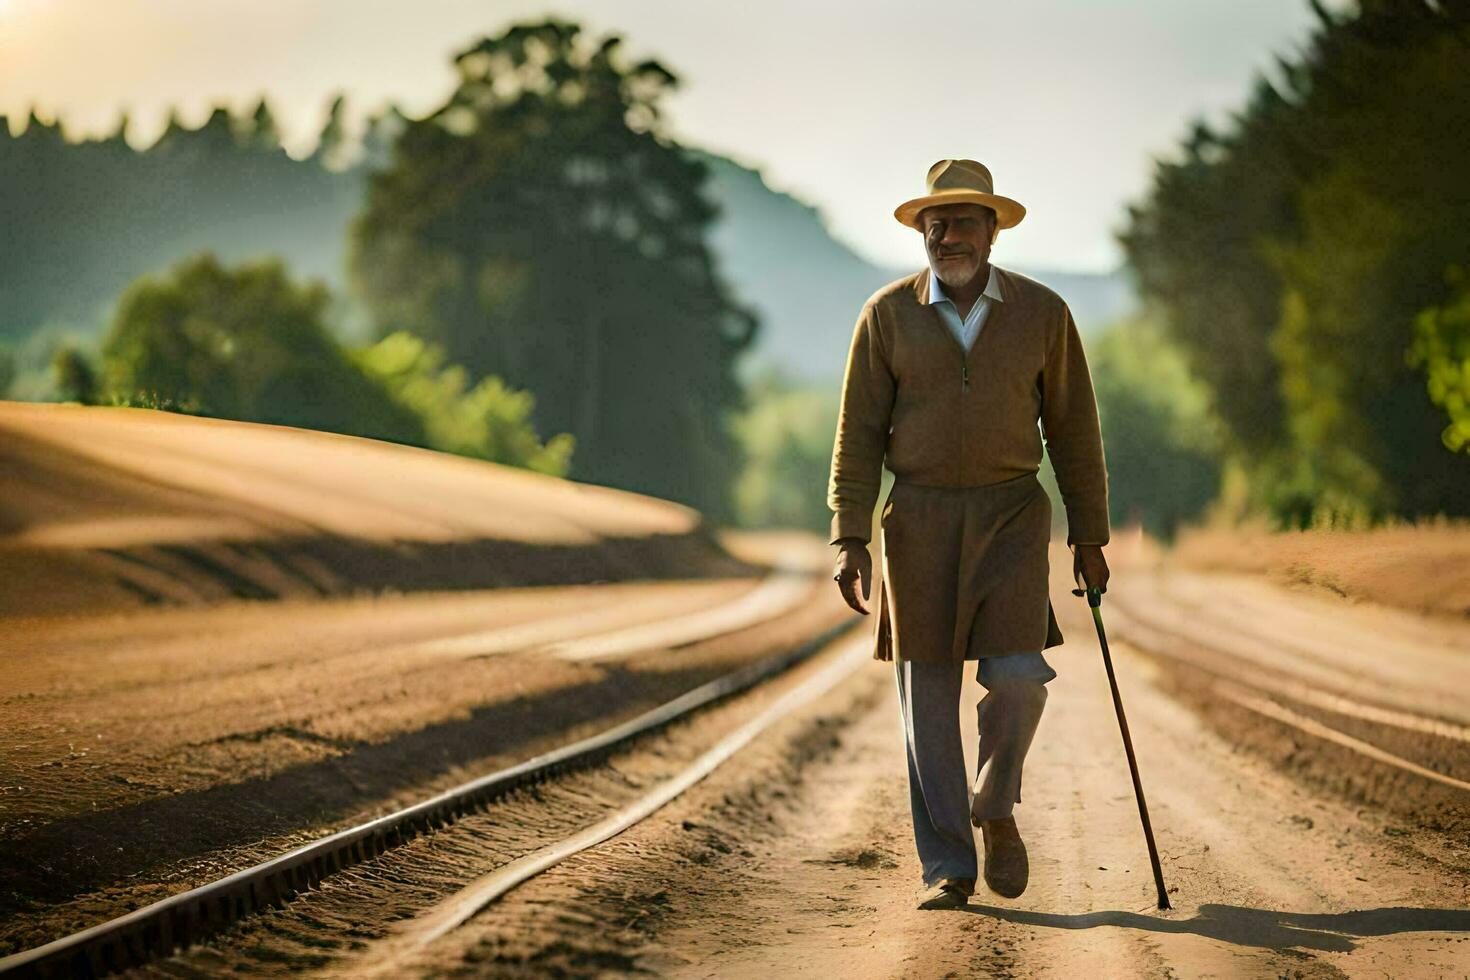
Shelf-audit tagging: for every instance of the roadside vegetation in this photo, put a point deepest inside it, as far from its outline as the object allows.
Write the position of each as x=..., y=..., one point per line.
x=529, y=279
x=1308, y=260
x=248, y=343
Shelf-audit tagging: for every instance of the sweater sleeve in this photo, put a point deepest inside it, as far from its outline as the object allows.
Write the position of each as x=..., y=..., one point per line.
x=863, y=422
x=1069, y=424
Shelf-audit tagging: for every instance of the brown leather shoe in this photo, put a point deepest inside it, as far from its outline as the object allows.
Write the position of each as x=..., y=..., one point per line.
x=949, y=893
x=1006, y=867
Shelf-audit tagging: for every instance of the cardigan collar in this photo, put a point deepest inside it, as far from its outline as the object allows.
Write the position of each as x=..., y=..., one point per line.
x=996, y=288
x=936, y=293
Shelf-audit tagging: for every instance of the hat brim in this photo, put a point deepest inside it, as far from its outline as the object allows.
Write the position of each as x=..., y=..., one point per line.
x=1008, y=213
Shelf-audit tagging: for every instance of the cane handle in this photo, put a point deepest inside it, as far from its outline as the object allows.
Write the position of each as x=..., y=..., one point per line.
x=1094, y=595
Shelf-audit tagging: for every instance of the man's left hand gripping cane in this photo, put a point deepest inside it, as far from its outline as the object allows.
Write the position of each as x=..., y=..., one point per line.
x=1089, y=568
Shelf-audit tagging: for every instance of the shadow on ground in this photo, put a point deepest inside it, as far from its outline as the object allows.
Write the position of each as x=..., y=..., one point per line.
x=1265, y=928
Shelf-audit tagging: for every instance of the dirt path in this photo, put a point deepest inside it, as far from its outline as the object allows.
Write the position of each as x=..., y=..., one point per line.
x=147, y=751
x=797, y=860
x=115, y=709
x=1364, y=650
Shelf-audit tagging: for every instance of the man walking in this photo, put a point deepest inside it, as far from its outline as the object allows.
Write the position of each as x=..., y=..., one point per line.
x=949, y=372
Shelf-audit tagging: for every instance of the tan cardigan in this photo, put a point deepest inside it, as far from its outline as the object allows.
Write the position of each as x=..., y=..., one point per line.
x=913, y=398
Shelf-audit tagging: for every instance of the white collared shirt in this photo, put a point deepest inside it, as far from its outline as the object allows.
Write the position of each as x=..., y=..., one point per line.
x=965, y=332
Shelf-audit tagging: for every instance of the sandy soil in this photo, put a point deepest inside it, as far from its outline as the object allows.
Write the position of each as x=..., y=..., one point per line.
x=797, y=860
x=1422, y=568
x=117, y=508
x=193, y=741
x=223, y=638
x=110, y=710
x=1372, y=651
x=157, y=730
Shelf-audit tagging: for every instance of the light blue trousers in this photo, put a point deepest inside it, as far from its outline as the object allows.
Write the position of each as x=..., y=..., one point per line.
x=939, y=787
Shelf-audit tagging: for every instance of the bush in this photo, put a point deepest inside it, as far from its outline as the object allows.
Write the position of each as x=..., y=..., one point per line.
x=489, y=421
x=786, y=436
x=1441, y=348
x=1161, y=440
x=76, y=379
x=243, y=343
x=247, y=343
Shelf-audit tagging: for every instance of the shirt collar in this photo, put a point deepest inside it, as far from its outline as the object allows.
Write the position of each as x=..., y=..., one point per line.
x=992, y=288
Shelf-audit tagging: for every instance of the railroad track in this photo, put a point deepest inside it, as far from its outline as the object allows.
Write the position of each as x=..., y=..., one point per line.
x=597, y=634
x=173, y=924
x=1301, y=692
x=1415, y=745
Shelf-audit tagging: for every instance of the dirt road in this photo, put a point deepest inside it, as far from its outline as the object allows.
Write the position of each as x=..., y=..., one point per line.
x=796, y=859
x=1288, y=852
x=141, y=752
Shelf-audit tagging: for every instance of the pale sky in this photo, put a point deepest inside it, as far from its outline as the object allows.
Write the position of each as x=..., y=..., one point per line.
x=844, y=103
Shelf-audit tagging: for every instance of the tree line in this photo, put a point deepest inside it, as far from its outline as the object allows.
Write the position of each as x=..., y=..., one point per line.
x=1309, y=258
x=83, y=218
x=531, y=256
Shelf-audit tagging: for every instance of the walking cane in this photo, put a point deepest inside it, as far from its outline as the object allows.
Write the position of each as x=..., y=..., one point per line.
x=1094, y=599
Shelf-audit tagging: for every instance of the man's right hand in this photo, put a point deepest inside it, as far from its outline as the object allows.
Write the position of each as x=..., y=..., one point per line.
x=854, y=566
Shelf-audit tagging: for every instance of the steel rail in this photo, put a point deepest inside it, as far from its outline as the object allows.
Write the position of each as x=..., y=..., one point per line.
x=474, y=897
x=178, y=921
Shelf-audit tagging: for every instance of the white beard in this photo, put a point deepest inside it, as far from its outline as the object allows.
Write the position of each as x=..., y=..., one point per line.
x=957, y=275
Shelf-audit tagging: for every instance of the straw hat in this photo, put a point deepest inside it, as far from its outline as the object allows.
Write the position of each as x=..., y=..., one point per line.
x=961, y=182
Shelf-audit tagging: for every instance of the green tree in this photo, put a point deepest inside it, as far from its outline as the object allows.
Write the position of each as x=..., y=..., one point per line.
x=82, y=219
x=539, y=227
x=8, y=371
x=244, y=343
x=1195, y=247
x=1163, y=443
x=1441, y=349
x=331, y=146
x=76, y=379
x=261, y=129
x=488, y=421
x=1379, y=221
x=786, y=438
x=1292, y=252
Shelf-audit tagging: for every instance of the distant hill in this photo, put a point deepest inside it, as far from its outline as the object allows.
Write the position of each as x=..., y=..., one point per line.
x=123, y=213
x=82, y=220
x=807, y=286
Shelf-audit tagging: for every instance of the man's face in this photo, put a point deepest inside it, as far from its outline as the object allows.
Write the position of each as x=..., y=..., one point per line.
x=957, y=238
